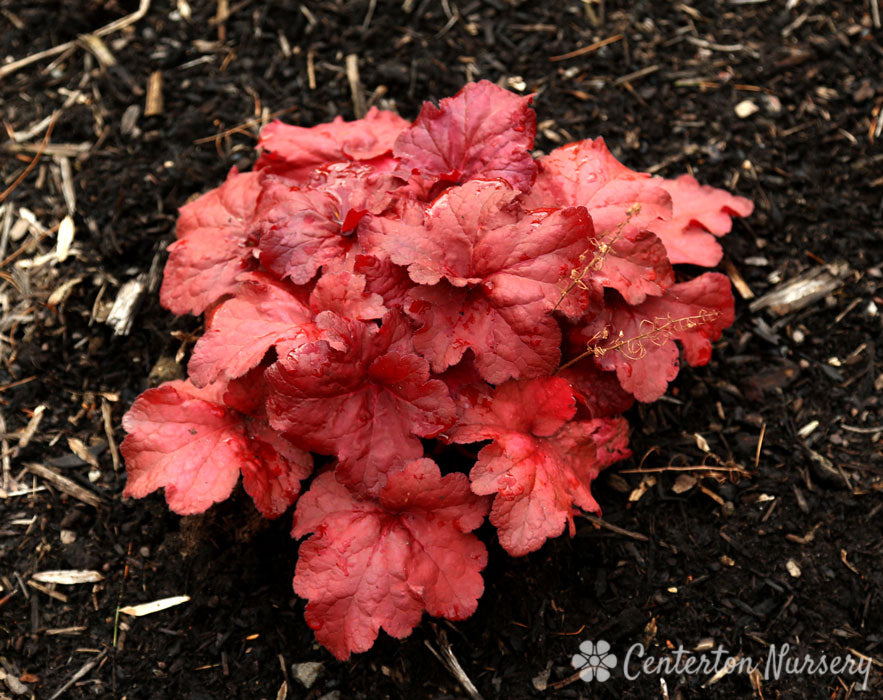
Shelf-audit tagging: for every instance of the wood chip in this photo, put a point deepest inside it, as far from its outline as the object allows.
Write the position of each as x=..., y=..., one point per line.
x=122, y=313
x=51, y=592
x=30, y=430
x=184, y=10
x=647, y=482
x=311, y=67
x=153, y=104
x=701, y=443
x=61, y=292
x=683, y=483
x=738, y=281
x=98, y=49
x=68, y=577
x=847, y=564
x=803, y=290
x=65, y=630
x=62, y=483
x=450, y=662
x=67, y=185
x=66, y=231
x=78, y=447
x=358, y=95
x=155, y=606
x=108, y=431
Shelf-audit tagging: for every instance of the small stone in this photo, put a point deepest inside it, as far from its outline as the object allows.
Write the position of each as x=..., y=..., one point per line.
x=67, y=536
x=772, y=104
x=746, y=108
x=793, y=569
x=307, y=672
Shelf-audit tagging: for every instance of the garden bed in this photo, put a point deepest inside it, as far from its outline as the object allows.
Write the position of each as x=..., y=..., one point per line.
x=751, y=512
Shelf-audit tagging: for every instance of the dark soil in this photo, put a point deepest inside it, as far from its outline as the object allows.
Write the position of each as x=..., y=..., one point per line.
x=714, y=559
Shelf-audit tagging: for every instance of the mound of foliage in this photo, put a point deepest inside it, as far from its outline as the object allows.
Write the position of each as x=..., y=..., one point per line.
x=376, y=291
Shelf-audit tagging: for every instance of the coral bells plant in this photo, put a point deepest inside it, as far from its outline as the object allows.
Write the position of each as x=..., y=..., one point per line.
x=377, y=290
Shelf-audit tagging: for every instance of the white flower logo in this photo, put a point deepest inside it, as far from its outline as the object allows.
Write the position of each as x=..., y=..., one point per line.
x=594, y=661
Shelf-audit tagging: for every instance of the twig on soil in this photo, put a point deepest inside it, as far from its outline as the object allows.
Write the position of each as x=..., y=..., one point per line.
x=587, y=49
x=27, y=245
x=358, y=95
x=242, y=126
x=108, y=431
x=21, y=492
x=62, y=483
x=449, y=661
x=614, y=528
x=628, y=78
x=51, y=592
x=557, y=685
x=759, y=445
x=738, y=281
x=372, y=5
x=33, y=164
x=88, y=666
x=686, y=468
x=114, y=26
x=311, y=67
x=7, y=484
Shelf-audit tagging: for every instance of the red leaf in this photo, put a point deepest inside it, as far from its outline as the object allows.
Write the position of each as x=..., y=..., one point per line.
x=611, y=436
x=248, y=393
x=477, y=234
x=483, y=131
x=343, y=292
x=374, y=564
x=540, y=463
x=301, y=231
x=185, y=440
x=212, y=247
x=538, y=407
x=632, y=263
x=623, y=204
x=366, y=402
x=305, y=228
x=383, y=277
x=574, y=174
x=508, y=340
x=638, y=341
x=298, y=151
x=698, y=209
x=512, y=265
x=598, y=391
x=263, y=314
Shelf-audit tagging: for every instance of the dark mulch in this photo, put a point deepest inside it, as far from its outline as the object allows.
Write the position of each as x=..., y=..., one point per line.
x=710, y=562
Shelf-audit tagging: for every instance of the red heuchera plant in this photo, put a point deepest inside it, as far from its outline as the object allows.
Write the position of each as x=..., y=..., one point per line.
x=377, y=284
